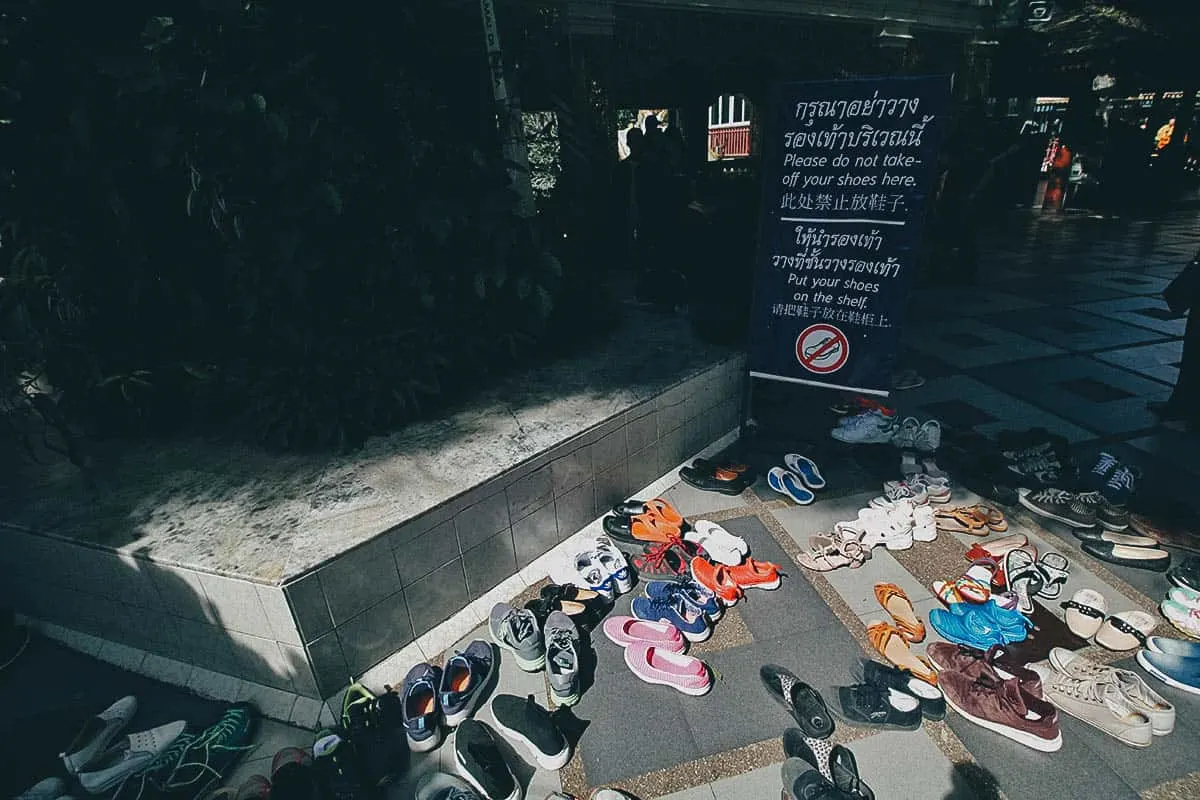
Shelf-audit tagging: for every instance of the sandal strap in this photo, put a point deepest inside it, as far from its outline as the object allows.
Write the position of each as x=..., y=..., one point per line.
x=1125, y=627
x=1086, y=610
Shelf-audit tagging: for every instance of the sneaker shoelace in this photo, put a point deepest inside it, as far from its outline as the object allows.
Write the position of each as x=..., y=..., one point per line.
x=655, y=559
x=518, y=625
x=1104, y=464
x=562, y=641
x=1052, y=496
x=1121, y=480
x=1089, y=498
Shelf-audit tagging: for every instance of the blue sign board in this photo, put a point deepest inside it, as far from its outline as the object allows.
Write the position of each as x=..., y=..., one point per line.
x=847, y=168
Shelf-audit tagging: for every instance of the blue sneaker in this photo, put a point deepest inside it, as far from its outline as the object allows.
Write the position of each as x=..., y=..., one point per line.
x=694, y=593
x=970, y=628
x=422, y=714
x=676, y=610
x=1183, y=648
x=1012, y=623
x=464, y=679
x=789, y=485
x=1178, y=671
x=806, y=468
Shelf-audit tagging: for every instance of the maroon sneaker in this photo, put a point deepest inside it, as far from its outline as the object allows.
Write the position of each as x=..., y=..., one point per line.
x=970, y=662
x=1004, y=707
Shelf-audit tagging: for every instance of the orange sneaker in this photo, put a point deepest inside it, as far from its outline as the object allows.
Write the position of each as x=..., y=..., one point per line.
x=751, y=574
x=716, y=579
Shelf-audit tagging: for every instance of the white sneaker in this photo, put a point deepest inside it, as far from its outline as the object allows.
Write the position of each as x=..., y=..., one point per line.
x=721, y=545
x=873, y=427
x=593, y=575
x=98, y=734
x=137, y=752
x=900, y=490
x=614, y=563
x=881, y=528
x=924, y=528
x=936, y=489
x=905, y=436
x=929, y=438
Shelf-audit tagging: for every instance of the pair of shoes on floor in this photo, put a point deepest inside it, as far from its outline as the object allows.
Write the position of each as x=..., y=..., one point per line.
x=1175, y=662
x=892, y=641
x=187, y=765
x=654, y=654
x=430, y=697
x=585, y=607
x=555, y=646
x=888, y=698
x=1061, y=506
x=1115, y=701
x=982, y=582
x=1087, y=617
x=722, y=477
x=483, y=773
x=831, y=774
x=1182, y=609
x=876, y=425
x=977, y=520
x=729, y=584
x=603, y=568
x=919, y=488
x=922, y=437
x=797, y=479
x=980, y=625
x=1004, y=699
x=1124, y=549
x=684, y=603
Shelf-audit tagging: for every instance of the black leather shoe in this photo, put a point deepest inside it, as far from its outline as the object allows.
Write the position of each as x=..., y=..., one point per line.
x=1186, y=573
x=885, y=676
x=876, y=707
x=802, y=701
x=1150, y=558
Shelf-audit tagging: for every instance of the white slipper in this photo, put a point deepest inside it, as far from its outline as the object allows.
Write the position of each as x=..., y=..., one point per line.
x=721, y=545
x=882, y=528
x=924, y=527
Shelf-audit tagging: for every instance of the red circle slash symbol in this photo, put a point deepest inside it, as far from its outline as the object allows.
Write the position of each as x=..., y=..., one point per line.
x=822, y=349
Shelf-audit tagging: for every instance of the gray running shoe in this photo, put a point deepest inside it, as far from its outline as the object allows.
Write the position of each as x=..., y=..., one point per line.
x=516, y=630
x=48, y=789
x=562, y=658
x=130, y=756
x=97, y=734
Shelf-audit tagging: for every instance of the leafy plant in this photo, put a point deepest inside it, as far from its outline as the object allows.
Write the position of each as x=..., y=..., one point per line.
x=249, y=217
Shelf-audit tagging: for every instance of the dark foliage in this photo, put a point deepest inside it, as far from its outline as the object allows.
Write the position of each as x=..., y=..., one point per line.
x=252, y=216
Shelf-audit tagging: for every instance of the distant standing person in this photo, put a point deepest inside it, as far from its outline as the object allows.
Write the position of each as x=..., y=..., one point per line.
x=1183, y=294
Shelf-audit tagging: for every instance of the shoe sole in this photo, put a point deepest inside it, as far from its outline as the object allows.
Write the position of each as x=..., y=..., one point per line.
x=569, y=700
x=1020, y=737
x=1177, y=581
x=1108, y=526
x=525, y=665
x=682, y=689
x=466, y=775
x=552, y=762
x=1055, y=517
x=1165, y=678
x=771, y=586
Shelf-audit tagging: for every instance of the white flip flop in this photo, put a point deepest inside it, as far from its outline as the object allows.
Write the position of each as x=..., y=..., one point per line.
x=721, y=545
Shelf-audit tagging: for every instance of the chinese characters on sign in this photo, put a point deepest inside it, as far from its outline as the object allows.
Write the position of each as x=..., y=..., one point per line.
x=847, y=169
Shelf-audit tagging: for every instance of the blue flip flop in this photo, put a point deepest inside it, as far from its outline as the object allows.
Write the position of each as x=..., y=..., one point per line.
x=788, y=483
x=806, y=468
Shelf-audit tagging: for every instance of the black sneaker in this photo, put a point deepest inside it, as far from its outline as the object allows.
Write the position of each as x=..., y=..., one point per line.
x=845, y=774
x=338, y=769
x=876, y=707
x=374, y=746
x=1112, y=517
x=801, y=781
x=1095, y=478
x=885, y=676
x=481, y=762
x=526, y=722
x=1060, y=506
x=1186, y=573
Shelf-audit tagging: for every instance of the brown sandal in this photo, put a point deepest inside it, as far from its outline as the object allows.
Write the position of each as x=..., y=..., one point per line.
x=890, y=644
x=992, y=517
x=894, y=601
x=961, y=520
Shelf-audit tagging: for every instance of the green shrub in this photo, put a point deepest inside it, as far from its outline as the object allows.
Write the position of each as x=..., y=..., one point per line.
x=251, y=216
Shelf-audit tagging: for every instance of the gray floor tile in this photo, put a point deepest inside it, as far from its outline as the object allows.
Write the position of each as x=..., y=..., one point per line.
x=793, y=608
x=1027, y=774
x=1127, y=282
x=1077, y=331
x=896, y=764
x=989, y=345
x=692, y=502
x=703, y=792
x=1062, y=290
x=1145, y=312
x=1170, y=757
x=802, y=522
x=857, y=586
x=763, y=782
x=1157, y=361
x=820, y=657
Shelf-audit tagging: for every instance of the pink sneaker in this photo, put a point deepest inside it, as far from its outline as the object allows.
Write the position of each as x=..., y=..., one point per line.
x=655, y=665
x=627, y=631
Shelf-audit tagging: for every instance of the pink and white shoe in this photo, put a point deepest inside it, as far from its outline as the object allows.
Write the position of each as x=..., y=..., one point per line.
x=936, y=489
x=652, y=664
x=630, y=631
